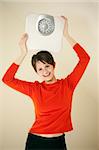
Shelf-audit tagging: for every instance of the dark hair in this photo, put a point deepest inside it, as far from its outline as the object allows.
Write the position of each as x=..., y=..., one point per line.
x=43, y=56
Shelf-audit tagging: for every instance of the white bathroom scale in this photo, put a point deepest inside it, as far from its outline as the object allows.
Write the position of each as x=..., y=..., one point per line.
x=45, y=32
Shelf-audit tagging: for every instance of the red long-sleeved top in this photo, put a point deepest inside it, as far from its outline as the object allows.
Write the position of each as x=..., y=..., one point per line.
x=52, y=101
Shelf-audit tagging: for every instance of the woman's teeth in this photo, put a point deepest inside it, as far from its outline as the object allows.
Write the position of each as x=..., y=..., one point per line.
x=46, y=75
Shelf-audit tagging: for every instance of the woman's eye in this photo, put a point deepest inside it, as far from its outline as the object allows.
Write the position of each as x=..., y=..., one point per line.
x=47, y=66
x=40, y=69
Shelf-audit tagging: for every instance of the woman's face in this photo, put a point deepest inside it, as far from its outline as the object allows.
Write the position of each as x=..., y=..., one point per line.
x=45, y=71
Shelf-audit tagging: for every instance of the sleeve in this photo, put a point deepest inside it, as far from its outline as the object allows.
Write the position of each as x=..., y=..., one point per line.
x=74, y=77
x=9, y=79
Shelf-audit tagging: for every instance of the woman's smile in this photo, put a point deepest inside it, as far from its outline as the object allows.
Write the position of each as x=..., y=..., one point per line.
x=47, y=75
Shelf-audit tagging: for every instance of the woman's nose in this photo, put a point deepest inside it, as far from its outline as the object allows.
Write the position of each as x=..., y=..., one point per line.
x=45, y=71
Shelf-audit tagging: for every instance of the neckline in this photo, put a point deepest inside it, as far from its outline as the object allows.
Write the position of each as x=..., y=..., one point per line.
x=50, y=84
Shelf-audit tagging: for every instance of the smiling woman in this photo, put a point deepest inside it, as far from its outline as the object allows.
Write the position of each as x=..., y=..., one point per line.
x=44, y=64
x=52, y=97
x=43, y=56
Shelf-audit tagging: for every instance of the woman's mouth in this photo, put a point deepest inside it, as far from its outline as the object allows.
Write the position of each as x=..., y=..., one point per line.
x=46, y=75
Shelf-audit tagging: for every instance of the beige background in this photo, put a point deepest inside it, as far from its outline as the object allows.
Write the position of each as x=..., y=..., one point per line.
x=16, y=109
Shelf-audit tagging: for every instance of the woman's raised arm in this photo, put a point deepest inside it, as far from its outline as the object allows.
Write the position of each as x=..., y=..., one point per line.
x=23, y=48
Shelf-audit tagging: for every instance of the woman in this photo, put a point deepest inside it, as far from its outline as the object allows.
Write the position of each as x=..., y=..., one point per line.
x=52, y=97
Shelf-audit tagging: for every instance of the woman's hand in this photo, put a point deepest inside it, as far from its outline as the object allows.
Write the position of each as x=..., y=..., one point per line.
x=22, y=43
x=65, y=31
x=71, y=40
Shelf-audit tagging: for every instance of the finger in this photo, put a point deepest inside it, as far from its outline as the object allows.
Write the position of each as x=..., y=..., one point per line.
x=64, y=17
x=24, y=35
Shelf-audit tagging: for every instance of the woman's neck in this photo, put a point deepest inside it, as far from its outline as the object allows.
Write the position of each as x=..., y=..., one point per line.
x=53, y=80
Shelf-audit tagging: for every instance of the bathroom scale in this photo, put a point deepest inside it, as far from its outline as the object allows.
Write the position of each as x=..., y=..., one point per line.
x=45, y=32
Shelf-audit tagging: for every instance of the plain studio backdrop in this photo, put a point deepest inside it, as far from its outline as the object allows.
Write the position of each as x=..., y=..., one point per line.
x=16, y=109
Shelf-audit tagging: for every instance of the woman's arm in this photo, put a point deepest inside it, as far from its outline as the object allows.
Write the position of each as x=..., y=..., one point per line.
x=71, y=41
x=23, y=48
x=74, y=77
x=9, y=77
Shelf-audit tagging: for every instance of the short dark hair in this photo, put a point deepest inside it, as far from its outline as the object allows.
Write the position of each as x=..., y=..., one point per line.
x=43, y=56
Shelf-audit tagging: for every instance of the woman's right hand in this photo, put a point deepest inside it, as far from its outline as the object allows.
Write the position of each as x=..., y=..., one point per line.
x=22, y=43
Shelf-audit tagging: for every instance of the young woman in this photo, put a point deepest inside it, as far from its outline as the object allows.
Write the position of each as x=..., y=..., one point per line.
x=52, y=97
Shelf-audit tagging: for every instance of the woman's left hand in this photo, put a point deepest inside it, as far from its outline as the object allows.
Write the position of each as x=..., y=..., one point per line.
x=65, y=31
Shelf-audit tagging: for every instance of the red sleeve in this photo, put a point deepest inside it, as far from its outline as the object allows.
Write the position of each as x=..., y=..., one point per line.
x=19, y=85
x=78, y=71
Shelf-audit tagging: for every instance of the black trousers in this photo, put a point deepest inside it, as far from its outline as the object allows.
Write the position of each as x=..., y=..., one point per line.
x=36, y=142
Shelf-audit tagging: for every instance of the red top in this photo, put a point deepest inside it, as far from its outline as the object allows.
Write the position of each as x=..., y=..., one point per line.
x=52, y=101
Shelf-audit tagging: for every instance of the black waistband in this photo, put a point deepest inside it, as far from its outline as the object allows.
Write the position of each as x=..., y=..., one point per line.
x=39, y=136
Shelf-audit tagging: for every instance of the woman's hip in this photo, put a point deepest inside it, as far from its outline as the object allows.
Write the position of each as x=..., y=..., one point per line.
x=35, y=142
